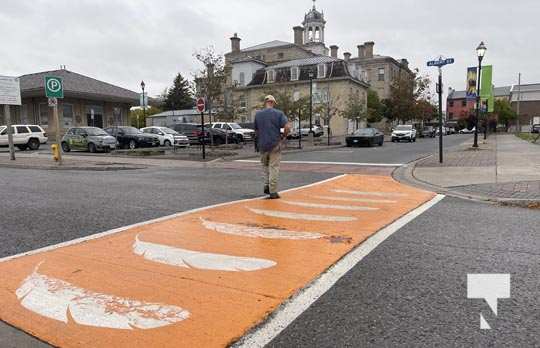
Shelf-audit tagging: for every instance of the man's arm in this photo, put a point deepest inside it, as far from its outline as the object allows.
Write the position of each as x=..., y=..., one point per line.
x=285, y=124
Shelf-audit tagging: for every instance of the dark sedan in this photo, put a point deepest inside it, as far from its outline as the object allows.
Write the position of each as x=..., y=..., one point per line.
x=132, y=138
x=365, y=136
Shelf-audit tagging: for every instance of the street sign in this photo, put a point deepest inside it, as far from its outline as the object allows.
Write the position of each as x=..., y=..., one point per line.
x=201, y=104
x=54, y=87
x=10, y=91
x=53, y=102
x=440, y=62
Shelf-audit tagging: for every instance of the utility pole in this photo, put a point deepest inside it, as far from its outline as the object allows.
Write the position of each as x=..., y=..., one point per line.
x=518, y=124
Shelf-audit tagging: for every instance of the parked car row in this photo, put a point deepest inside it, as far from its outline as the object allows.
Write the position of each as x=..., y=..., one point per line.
x=24, y=136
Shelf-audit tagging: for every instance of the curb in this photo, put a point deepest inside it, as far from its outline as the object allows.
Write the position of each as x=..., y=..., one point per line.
x=57, y=167
x=405, y=174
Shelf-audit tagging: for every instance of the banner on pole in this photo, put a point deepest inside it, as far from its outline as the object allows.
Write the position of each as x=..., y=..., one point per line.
x=472, y=75
x=486, y=88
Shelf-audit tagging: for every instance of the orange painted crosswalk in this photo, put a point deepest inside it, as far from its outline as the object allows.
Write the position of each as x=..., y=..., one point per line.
x=202, y=278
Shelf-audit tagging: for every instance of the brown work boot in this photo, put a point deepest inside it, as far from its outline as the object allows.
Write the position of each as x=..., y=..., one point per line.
x=266, y=189
x=274, y=195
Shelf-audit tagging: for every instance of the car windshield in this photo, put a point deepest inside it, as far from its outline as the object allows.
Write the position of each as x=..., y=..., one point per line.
x=403, y=128
x=234, y=125
x=130, y=130
x=168, y=131
x=95, y=131
x=428, y=128
x=365, y=131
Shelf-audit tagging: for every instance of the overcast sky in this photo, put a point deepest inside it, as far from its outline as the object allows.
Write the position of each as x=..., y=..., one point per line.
x=126, y=41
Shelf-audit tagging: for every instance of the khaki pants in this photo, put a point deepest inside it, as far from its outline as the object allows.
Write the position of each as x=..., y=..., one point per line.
x=270, y=161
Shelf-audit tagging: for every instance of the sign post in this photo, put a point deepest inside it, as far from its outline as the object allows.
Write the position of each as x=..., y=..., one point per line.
x=439, y=64
x=201, y=106
x=54, y=90
x=10, y=94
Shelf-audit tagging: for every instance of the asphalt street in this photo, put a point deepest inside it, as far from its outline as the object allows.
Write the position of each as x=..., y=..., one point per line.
x=412, y=290
x=390, y=153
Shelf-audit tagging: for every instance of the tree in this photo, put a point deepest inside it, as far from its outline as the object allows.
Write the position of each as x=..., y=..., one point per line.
x=328, y=109
x=179, y=96
x=505, y=113
x=425, y=111
x=210, y=80
x=293, y=109
x=354, y=109
x=138, y=112
x=375, y=108
x=405, y=92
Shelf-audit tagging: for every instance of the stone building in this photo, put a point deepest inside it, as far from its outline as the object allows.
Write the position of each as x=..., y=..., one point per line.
x=87, y=102
x=286, y=66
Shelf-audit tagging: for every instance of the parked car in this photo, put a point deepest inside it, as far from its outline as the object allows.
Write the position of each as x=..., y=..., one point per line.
x=243, y=134
x=24, y=136
x=91, y=139
x=317, y=131
x=221, y=136
x=365, y=136
x=428, y=132
x=467, y=131
x=444, y=129
x=192, y=131
x=167, y=136
x=535, y=128
x=131, y=137
x=404, y=132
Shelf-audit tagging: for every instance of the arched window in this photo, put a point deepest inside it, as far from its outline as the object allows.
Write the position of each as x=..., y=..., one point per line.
x=317, y=34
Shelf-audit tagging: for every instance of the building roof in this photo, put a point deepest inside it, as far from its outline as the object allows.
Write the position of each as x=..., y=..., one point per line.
x=305, y=61
x=526, y=88
x=502, y=91
x=77, y=85
x=270, y=44
x=457, y=95
x=185, y=112
x=249, y=59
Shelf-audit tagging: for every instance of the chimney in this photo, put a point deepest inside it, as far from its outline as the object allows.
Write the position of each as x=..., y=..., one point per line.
x=361, y=51
x=347, y=56
x=235, y=43
x=368, y=53
x=298, y=35
x=405, y=63
x=334, y=51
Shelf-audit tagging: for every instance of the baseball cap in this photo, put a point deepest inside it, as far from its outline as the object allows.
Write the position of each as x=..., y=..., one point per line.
x=270, y=98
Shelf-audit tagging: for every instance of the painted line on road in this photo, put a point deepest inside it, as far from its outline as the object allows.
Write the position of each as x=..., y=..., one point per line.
x=149, y=222
x=333, y=163
x=293, y=308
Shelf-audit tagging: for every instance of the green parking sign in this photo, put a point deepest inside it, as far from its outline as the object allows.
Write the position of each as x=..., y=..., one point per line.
x=54, y=87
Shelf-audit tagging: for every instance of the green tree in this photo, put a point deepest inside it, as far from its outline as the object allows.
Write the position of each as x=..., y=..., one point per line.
x=405, y=92
x=210, y=80
x=138, y=114
x=355, y=109
x=179, y=96
x=505, y=113
x=375, y=108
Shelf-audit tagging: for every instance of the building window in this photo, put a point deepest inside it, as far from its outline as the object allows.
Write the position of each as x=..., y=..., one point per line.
x=381, y=74
x=464, y=103
x=280, y=55
x=43, y=114
x=67, y=115
x=242, y=79
x=321, y=71
x=451, y=103
x=270, y=76
x=242, y=102
x=294, y=73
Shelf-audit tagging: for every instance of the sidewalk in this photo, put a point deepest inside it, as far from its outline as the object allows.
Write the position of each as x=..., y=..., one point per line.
x=503, y=169
x=77, y=163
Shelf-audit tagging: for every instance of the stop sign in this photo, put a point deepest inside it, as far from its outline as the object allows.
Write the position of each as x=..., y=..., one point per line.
x=201, y=105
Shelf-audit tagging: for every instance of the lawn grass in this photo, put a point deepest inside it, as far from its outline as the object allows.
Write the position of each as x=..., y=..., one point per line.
x=530, y=137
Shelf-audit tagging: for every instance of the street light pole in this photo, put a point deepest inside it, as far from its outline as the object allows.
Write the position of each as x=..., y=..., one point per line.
x=310, y=132
x=481, y=51
x=440, y=91
x=143, y=106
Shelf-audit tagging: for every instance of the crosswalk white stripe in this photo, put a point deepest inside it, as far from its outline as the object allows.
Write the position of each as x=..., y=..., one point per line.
x=330, y=206
x=300, y=216
x=359, y=200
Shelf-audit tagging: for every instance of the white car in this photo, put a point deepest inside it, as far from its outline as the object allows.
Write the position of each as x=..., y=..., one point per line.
x=243, y=134
x=467, y=131
x=404, y=132
x=167, y=136
x=24, y=136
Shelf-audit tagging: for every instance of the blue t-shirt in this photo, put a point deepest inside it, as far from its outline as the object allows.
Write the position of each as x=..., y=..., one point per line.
x=268, y=124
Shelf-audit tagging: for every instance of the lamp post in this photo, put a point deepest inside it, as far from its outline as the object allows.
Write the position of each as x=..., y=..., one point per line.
x=310, y=133
x=481, y=51
x=143, y=105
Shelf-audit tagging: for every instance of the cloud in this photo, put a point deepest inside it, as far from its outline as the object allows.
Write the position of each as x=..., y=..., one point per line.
x=125, y=41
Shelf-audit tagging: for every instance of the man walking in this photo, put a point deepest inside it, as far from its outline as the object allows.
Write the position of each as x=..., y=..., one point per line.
x=268, y=124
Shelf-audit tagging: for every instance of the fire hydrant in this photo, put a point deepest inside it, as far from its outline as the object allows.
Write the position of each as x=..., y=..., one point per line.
x=55, y=152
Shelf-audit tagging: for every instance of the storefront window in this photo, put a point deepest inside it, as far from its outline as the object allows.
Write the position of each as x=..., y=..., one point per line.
x=67, y=115
x=44, y=114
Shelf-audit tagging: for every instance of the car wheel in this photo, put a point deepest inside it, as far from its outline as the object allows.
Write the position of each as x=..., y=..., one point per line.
x=414, y=140
x=381, y=143
x=132, y=145
x=65, y=147
x=33, y=144
x=22, y=147
x=167, y=143
x=218, y=141
x=92, y=148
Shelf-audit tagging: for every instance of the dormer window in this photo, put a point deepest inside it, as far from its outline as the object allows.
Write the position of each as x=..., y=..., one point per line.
x=295, y=71
x=270, y=76
x=242, y=79
x=321, y=71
